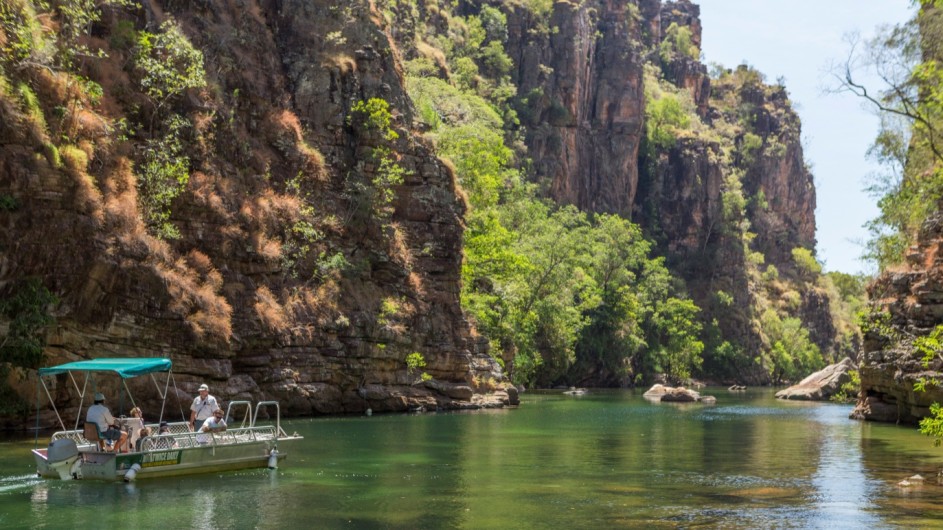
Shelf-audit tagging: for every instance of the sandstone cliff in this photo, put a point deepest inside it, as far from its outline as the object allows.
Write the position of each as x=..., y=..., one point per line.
x=907, y=305
x=903, y=324
x=281, y=285
x=585, y=100
x=585, y=84
x=306, y=269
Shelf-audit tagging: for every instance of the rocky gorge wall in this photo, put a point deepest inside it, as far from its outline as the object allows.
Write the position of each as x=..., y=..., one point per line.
x=586, y=134
x=907, y=303
x=240, y=300
x=294, y=277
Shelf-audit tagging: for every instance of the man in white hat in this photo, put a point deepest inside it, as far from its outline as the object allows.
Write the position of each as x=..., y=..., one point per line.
x=202, y=408
x=107, y=424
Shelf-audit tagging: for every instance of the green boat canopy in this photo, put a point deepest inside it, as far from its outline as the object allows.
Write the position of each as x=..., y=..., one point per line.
x=124, y=367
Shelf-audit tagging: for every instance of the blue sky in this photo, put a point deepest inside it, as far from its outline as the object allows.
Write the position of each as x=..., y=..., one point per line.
x=798, y=39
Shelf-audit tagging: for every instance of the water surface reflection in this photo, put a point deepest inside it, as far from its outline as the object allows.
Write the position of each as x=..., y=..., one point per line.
x=608, y=459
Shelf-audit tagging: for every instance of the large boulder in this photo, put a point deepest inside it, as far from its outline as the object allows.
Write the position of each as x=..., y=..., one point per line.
x=821, y=385
x=680, y=394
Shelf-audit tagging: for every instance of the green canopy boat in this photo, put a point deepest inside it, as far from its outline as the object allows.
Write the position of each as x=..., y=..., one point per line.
x=80, y=453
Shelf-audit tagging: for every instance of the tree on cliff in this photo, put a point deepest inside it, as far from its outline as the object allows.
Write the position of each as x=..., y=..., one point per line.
x=906, y=58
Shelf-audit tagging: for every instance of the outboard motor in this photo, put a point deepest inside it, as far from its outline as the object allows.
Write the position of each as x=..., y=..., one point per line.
x=63, y=457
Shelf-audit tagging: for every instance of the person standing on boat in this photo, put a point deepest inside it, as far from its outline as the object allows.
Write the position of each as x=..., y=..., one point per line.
x=107, y=424
x=202, y=408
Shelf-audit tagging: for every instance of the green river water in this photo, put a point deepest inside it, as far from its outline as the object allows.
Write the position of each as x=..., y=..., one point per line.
x=609, y=459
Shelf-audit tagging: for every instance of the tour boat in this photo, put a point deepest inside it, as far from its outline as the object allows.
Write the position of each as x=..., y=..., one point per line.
x=79, y=454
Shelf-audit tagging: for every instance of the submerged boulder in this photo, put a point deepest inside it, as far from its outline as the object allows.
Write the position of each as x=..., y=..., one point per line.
x=821, y=385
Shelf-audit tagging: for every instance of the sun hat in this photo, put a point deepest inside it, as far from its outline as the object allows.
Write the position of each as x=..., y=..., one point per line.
x=99, y=396
x=204, y=387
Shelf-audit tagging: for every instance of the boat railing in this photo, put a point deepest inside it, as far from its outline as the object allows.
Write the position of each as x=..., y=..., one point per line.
x=76, y=436
x=180, y=434
x=233, y=409
x=279, y=433
x=200, y=439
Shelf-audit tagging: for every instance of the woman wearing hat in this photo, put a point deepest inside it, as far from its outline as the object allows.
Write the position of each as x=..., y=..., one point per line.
x=107, y=424
x=202, y=408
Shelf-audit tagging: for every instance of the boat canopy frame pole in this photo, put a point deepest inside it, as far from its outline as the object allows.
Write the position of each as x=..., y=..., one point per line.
x=81, y=392
x=163, y=394
x=278, y=415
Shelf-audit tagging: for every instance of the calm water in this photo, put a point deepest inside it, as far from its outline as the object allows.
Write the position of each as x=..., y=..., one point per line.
x=605, y=460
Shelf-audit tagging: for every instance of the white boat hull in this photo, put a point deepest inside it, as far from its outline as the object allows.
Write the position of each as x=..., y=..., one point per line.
x=169, y=455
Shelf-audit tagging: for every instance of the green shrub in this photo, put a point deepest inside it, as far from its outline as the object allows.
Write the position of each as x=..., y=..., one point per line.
x=163, y=175
x=806, y=263
x=415, y=362
x=374, y=115
x=678, y=41
x=8, y=203
x=665, y=117
x=168, y=63
x=849, y=391
x=750, y=147
x=723, y=298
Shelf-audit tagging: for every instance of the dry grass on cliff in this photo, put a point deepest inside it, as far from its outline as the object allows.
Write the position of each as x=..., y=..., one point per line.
x=417, y=285
x=193, y=286
x=343, y=62
x=298, y=311
x=270, y=312
x=317, y=304
x=398, y=246
x=287, y=135
x=121, y=200
x=205, y=192
x=267, y=216
x=434, y=54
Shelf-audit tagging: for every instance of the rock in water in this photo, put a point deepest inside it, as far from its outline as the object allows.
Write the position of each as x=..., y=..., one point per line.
x=821, y=385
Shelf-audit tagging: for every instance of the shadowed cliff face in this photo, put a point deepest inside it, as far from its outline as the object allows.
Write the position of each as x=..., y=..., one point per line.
x=583, y=83
x=248, y=299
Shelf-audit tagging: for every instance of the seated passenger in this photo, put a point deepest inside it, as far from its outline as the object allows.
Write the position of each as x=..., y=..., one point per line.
x=135, y=424
x=141, y=435
x=165, y=443
x=107, y=425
